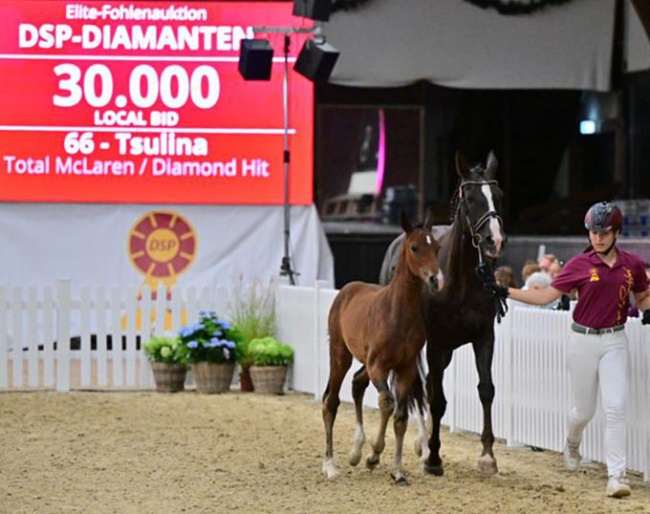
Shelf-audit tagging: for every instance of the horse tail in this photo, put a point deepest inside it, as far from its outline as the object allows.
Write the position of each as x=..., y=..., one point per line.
x=417, y=396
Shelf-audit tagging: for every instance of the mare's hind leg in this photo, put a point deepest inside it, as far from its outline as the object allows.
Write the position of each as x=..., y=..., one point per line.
x=419, y=407
x=386, y=406
x=340, y=362
x=359, y=385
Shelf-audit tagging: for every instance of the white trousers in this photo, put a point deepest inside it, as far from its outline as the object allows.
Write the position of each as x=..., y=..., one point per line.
x=600, y=362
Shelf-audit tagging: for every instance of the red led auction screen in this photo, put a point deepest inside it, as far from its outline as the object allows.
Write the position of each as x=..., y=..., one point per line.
x=142, y=102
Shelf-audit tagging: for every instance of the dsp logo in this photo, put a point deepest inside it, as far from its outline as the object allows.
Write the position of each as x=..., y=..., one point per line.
x=162, y=245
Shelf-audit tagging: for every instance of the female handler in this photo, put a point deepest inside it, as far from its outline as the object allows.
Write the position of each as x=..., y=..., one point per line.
x=597, y=357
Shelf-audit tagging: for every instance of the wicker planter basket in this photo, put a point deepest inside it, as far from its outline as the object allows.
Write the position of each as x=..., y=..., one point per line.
x=169, y=377
x=269, y=379
x=211, y=377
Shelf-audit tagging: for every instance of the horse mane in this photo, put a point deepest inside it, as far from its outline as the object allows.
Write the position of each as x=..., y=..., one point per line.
x=456, y=232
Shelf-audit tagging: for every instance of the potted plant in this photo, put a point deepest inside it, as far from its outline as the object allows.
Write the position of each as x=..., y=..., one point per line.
x=210, y=347
x=165, y=356
x=271, y=359
x=253, y=315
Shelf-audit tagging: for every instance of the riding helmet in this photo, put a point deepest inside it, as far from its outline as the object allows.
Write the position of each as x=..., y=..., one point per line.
x=603, y=217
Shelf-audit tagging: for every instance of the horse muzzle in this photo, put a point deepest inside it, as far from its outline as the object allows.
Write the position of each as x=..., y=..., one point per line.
x=493, y=247
x=432, y=284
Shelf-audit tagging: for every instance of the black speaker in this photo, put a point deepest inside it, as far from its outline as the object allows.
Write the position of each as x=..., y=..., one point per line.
x=316, y=60
x=318, y=10
x=255, y=59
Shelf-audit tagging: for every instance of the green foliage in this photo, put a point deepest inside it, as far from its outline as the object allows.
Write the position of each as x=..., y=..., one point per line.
x=268, y=351
x=211, y=339
x=253, y=314
x=164, y=348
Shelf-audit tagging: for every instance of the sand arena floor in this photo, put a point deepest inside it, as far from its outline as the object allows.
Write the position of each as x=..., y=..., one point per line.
x=141, y=453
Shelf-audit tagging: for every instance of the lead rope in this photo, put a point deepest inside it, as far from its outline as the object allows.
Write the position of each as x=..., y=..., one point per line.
x=486, y=275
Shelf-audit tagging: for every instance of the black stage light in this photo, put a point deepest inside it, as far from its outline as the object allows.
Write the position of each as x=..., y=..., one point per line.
x=255, y=59
x=318, y=10
x=316, y=60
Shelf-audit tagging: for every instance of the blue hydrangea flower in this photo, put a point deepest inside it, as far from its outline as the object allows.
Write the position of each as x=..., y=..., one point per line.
x=230, y=344
x=225, y=324
x=186, y=331
x=192, y=344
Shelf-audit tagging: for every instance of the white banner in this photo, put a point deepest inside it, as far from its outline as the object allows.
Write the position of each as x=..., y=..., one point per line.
x=185, y=245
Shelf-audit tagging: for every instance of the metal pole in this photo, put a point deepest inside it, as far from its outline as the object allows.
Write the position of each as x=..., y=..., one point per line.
x=285, y=268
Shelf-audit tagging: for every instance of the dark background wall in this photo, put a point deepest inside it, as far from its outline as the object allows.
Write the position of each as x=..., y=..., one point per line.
x=535, y=135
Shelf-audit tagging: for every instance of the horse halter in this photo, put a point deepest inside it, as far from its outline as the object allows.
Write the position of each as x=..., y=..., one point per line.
x=474, y=228
x=484, y=271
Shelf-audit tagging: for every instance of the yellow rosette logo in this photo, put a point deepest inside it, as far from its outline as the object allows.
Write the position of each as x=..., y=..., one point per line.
x=162, y=245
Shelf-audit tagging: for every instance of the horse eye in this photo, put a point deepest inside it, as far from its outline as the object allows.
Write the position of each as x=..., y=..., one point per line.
x=414, y=249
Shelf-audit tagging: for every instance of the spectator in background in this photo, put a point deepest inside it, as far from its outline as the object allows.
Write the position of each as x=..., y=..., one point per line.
x=545, y=262
x=539, y=280
x=555, y=268
x=564, y=303
x=528, y=269
x=504, y=276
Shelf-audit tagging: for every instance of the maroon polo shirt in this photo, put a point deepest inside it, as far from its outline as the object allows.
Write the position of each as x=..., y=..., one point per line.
x=603, y=292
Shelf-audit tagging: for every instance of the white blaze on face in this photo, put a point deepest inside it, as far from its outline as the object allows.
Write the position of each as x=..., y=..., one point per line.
x=495, y=228
x=429, y=240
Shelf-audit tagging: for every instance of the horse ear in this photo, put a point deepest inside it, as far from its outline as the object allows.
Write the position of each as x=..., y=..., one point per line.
x=404, y=221
x=492, y=165
x=428, y=218
x=461, y=166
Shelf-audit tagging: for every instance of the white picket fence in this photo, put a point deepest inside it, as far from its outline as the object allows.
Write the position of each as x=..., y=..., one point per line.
x=106, y=325
x=532, y=390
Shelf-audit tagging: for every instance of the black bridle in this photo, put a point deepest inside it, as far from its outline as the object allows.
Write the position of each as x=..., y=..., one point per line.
x=474, y=228
x=483, y=270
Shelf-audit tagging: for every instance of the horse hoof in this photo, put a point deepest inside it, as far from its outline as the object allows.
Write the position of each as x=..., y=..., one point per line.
x=329, y=469
x=434, y=470
x=400, y=480
x=372, y=461
x=418, y=448
x=487, y=465
x=354, y=458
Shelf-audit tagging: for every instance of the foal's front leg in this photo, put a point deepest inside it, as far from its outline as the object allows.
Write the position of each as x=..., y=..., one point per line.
x=400, y=424
x=386, y=403
x=359, y=385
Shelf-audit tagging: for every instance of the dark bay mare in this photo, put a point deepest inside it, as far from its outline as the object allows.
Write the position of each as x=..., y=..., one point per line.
x=382, y=327
x=462, y=311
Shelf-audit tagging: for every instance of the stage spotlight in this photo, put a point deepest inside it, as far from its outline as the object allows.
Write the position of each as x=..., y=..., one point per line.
x=316, y=60
x=318, y=10
x=255, y=59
